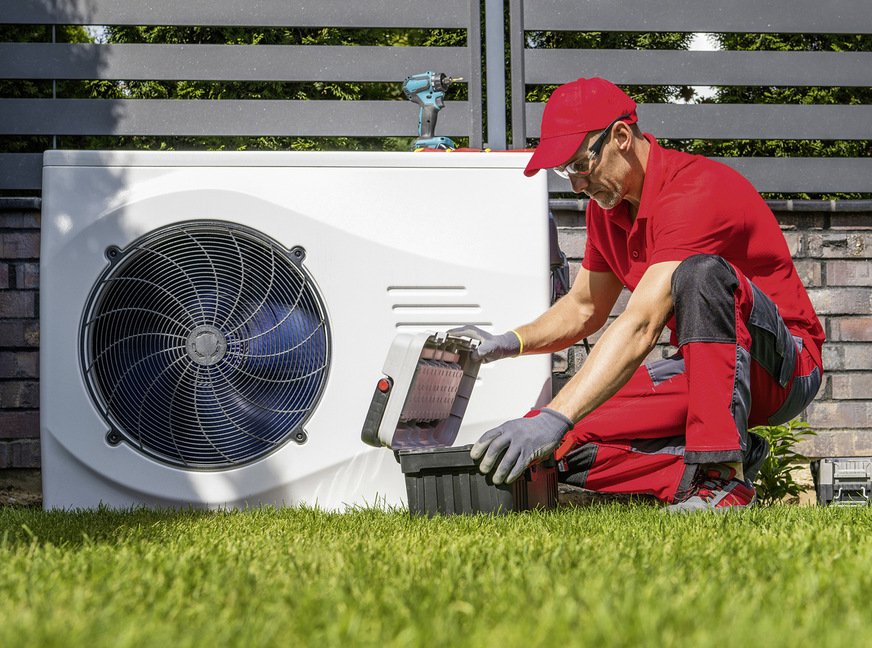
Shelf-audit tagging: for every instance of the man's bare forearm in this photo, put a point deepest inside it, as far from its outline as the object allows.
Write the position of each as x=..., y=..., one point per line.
x=578, y=314
x=612, y=362
x=623, y=346
x=559, y=327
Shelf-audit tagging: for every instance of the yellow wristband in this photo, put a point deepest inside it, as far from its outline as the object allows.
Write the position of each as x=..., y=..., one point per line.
x=519, y=340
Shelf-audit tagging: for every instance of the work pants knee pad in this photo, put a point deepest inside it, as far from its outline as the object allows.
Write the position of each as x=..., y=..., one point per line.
x=703, y=291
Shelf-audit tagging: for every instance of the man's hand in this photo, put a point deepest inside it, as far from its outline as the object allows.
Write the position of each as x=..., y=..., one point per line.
x=492, y=347
x=519, y=443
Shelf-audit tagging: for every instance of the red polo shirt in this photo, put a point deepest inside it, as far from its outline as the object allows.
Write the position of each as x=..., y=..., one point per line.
x=693, y=205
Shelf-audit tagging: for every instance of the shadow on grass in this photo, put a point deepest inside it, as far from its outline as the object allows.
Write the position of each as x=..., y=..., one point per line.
x=572, y=496
x=29, y=525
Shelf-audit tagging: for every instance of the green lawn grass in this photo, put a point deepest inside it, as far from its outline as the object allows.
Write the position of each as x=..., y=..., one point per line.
x=612, y=575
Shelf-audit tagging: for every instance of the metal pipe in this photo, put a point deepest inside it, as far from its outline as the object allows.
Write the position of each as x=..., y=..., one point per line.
x=20, y=204
x=820, y=205
x=567, y=205
x=842, y=206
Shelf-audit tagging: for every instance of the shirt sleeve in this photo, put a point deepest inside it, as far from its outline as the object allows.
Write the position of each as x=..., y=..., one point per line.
x=593, y=260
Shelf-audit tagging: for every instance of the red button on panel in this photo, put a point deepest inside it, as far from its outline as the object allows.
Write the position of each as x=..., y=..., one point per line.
x=384, y=385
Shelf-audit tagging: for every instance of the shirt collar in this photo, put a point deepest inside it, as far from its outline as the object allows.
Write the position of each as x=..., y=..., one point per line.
x=620, y=214
x=653, y=177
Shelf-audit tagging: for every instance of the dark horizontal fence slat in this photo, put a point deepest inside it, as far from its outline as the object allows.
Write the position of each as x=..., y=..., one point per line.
x=665, y=67
x=227, y=62
x=223, y=63
x=805, y=174
x=338, y=63
x=332, y=118
x=788, y=175
x=743, y=121
x=225, y=117
x=752, y=16
x=20, y=171
x=259, y=13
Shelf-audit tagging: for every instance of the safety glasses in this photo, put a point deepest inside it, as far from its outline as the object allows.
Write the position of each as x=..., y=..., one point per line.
x=584, y=166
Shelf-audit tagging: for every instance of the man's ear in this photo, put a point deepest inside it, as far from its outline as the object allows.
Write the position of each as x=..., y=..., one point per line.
x=623, y=135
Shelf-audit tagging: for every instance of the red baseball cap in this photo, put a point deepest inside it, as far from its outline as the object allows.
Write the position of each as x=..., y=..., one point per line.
x=571, y=113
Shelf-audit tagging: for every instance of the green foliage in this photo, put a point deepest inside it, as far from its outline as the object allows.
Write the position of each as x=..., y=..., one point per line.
x=795, y=42
x=611, y=576
x=314, y=91
x=273, y=90
x=816, y=95
x=775, y=481
x=610, y=40
x=62, y=89
x=40, y=89
x=43, y=89
x=205, y=90
x=43, y=34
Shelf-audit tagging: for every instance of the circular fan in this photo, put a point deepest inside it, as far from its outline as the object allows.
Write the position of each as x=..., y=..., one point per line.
x=205, y=345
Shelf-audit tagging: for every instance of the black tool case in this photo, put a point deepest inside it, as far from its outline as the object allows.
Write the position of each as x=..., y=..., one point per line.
x=447, y=480
x=417, y=410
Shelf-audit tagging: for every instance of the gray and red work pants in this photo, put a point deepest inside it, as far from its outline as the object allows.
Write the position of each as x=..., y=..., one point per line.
x=737, y=366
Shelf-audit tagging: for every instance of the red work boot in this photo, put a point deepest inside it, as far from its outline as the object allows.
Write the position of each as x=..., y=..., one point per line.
x=714, y=488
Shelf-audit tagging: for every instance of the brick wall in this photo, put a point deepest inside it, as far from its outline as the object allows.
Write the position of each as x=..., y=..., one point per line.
x=833, y=253
x=19, y=334
x=840, y=248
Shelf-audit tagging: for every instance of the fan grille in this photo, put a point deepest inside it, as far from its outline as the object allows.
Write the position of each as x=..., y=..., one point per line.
x=205, y=345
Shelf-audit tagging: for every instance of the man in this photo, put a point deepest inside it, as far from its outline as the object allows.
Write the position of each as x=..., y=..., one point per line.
x=702, y=254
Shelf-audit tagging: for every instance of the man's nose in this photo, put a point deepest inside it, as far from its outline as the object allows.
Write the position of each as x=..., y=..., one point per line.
x=579, y=182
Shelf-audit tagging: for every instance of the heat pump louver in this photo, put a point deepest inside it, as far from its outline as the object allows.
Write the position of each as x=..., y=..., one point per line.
x=205, y=345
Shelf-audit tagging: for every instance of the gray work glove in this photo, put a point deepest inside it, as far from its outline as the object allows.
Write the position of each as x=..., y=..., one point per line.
x=492, y=347
x=520, y=443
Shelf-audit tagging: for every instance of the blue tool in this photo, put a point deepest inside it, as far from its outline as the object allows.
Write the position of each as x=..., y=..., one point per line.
x=428, y=91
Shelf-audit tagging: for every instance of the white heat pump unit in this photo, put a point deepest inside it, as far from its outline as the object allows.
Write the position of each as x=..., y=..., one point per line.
x=213, y=324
